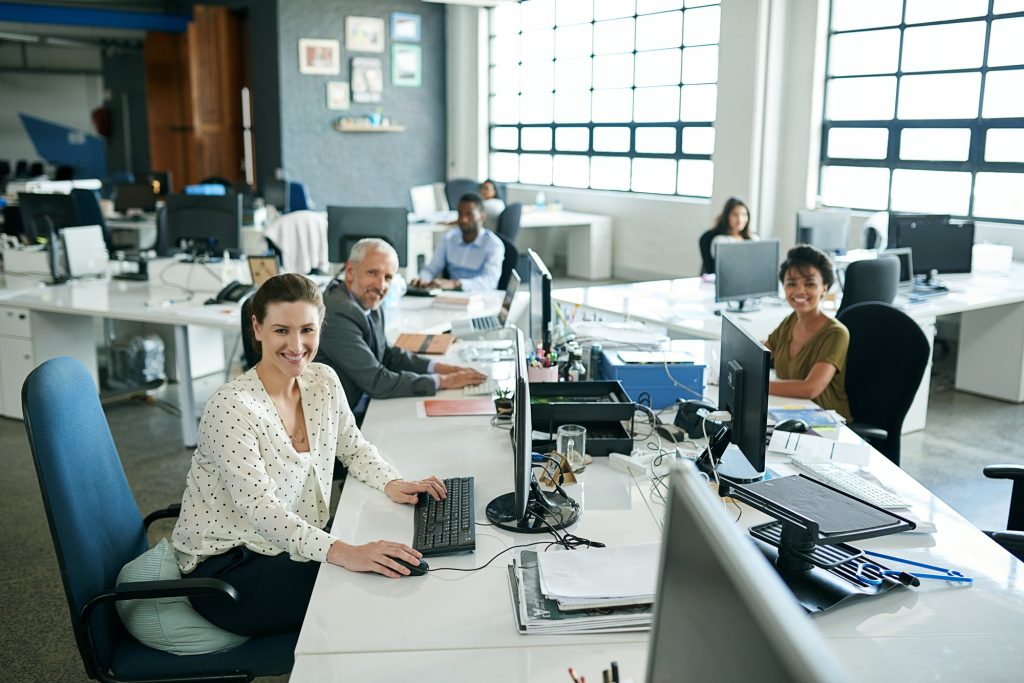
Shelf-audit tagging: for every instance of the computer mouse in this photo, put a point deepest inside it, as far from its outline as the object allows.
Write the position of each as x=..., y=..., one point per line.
x=414, y=569
x=794, y=425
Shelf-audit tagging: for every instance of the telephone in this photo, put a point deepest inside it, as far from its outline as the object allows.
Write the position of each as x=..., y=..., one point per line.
x=690, y=418
x=233, y=291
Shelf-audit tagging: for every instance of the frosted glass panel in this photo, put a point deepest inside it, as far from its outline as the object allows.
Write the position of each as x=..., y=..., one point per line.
x=940, y=96
x=504, y=109
x=696, y=178
x=1006, y=45
x=946, y=46
x=537, y=14
x=535, y=169
x=574, y=41
x=652, y=6
x=660, y=67
x=935, y=144
x=699, y=140
x=505, y=138
x=535, y=107
x=931, y=191
x=572, y=139
x=657, y=176
x=1005, y=144
x=700, y=64
x=701, y=26
x=919, y=11
x=571, y=74
x=538, y=139
x=571, y=170
x=861, y=99
x=613, y=105
x=538, y=46
x=505, y=167
x=656, y=104
x=866, y=52
x=609, y=173
x=613, y=71
x=656, y=141
x=998, y=195
x=611, y=139
x=613, y=36
x=610, y=9
x=658, y=31
x=1003, y=96
x=851, y=14
x=572, y=106
x=859, y=188
x=699, y=102
x=857, y=143
x=505, y=79
x=505, y=20
x=573, y=12
x=538, y=76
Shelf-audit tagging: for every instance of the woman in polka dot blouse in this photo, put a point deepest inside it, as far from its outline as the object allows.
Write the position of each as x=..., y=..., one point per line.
x=257, y=494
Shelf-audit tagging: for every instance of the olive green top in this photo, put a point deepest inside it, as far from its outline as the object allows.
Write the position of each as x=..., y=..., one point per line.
x=828, y=345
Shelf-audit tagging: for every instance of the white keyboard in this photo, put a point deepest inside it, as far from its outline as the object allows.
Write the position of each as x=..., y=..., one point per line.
x=483, y=389
x=833, y=474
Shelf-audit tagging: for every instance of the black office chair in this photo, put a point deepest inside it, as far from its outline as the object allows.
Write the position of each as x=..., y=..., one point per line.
x=455, y=188
x=36, y=169
x=20, y=168
x=96, y=529
x=64, y=172
x=884, y=366
x=870, y=280
x=251, y=354
x=88, y=212
x=509, y=263
x=707, y=261
x=509, y=222
x=1013, y=538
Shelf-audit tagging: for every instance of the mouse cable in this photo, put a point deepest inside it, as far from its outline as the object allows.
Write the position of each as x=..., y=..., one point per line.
x=473, y=569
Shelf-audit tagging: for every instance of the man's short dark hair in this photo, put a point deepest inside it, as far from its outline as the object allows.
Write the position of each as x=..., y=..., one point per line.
x=474, y=198
x=803, y=257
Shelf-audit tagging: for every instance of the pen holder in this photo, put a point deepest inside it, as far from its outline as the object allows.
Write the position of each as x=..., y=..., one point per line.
x=542, y=374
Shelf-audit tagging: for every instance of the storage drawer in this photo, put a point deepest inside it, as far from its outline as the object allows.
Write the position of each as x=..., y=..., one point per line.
x=14, y=322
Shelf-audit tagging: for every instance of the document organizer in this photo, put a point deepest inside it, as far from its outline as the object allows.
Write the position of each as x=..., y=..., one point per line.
x=808, y=544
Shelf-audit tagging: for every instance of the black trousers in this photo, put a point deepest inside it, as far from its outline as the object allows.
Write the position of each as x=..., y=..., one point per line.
x=273, y=592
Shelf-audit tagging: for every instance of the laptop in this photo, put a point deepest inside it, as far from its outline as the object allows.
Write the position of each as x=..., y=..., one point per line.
x=262, y=268
x=906, y=266
x=85, y=250
x=486, y=323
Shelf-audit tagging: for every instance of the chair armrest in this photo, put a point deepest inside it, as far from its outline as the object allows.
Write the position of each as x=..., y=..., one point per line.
x=169, y=512
x=1015, y=472
x=867, y=432
x=1012, y=542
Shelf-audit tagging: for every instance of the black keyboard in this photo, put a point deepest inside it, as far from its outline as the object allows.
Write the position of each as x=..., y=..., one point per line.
x=446, y=527
x=486, y=323
x=421, y=291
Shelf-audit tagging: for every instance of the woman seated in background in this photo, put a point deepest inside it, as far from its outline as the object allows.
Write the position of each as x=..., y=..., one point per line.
x=732, y=225
x=808, y=347
x=258, y=492
x=493, y=205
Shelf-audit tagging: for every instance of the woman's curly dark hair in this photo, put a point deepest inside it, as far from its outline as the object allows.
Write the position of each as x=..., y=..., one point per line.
x=803, y=257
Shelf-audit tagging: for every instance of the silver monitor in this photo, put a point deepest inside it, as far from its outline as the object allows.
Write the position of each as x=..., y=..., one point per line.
x=827, y=229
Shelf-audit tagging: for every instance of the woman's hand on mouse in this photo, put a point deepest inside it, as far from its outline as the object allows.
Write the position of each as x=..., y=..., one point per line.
x=373, y=557
x=402, y=491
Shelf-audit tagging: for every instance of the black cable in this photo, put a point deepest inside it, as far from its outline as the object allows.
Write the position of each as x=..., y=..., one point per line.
x=473, y=569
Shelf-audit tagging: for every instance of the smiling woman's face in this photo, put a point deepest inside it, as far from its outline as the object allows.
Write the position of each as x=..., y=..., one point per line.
x=289, y=336
x=804, y=288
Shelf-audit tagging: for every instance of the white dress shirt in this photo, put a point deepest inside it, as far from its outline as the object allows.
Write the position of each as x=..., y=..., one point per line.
x=249, y=486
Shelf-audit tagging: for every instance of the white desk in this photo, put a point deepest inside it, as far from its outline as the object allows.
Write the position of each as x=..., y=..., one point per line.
x=366, y=627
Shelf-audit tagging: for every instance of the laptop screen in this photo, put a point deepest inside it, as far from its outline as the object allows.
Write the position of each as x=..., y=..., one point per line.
x=262, y=268
x=510, y=294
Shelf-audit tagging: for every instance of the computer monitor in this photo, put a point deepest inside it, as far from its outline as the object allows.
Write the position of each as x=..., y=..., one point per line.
x=539, y=279
x=139, y=196
x=203, y=224
x=41, y=213
x=743, y=391
x=527, y=509
x=906, y=257
x=826, y=229
x=939, y=244
x=746, y=271
x=346, y=225
x=722, y=613
x=896, y=220
x=275, y=193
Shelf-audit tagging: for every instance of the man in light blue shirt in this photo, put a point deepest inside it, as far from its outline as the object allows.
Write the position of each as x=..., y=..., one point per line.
x=472, y=254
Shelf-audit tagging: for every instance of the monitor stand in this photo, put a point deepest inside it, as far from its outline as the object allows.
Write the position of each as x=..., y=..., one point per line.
x=741, y=306
x=545, y=511
x=735, y=467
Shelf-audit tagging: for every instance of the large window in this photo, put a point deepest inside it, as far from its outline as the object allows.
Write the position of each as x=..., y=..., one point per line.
x=605, y=94
x=924, y=107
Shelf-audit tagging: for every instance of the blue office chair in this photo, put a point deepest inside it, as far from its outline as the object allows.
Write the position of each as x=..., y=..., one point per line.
x=96, y=529
x=298, y=197
x=456, y=187
x=510, y=222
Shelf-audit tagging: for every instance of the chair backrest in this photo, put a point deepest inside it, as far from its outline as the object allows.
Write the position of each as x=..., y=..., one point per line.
x=871, y=280
x=884, y=365
x=217, y=180
x=88, y=211
x=36, y=169
x=94, y=522
x=508, y=263
x=64, y=172
x=707, y=261
x=249, y=351
x=298, y=197
x=510, y=222
x=456, y=187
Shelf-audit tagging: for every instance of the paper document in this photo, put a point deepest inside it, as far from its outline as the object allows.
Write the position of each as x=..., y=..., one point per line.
x=811, y=446
x=622, y=572
x=632, y=334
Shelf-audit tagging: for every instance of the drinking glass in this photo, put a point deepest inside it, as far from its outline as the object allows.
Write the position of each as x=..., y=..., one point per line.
x=572, y=443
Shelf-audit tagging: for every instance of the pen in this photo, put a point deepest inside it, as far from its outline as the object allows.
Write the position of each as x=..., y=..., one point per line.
x=615, y=672
x=575, y=677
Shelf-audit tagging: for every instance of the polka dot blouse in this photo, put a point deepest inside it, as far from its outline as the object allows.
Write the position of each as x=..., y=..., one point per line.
x=249, y=486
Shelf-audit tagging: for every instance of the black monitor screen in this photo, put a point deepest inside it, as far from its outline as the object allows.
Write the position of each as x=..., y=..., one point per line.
x=539, y=278
x=938, y=243
x=826, y=229
x=346, y=225
x=210, y=223
x=129, y=197
x=41, y=212
x=743, y=391
x=906, y=258
x=746, y=270
x=275, y=193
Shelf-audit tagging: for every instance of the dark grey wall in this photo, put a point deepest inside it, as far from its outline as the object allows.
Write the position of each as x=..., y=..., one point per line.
x=360, y=169
x=124, y=75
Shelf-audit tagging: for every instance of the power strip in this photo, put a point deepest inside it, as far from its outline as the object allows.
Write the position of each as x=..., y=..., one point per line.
x=638, y=465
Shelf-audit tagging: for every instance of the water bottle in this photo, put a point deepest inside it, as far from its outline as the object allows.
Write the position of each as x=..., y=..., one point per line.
x=539, y=202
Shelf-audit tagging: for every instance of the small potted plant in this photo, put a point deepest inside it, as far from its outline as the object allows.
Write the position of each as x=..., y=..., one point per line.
x=503, y=401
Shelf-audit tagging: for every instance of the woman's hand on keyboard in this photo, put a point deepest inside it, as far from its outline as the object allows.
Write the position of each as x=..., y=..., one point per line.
x=378, y=557
x=402, y=491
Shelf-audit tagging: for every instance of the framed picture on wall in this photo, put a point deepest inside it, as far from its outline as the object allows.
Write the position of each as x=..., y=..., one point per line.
x=405, y=27
x=367, y=80
x=337, y=95
x=364, y=34
x=318, y=56
x=406, y=65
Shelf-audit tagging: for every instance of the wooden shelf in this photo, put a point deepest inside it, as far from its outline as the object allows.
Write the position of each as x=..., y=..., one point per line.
x=361, y=128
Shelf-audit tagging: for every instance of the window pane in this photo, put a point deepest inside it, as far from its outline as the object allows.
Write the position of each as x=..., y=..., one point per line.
x=656, y=104
x=700, y=64
x=701, y=3
x=537, y=14
x=699, y=103
x=505, y=109
x=660, y=67
x=572, y=106
x=919, y=11
x=505, y=167
x=1003, y=94
x=613, y=105
x=504, y=138
x=696, y=177
x=657, y=31
x=946, y=46
x=700, y=26
x=538, y=46
x=699, y=140
x=535, y=169
x=572, y=139
x=505, y=49
x=609, y=173
x=571, y=74
x=1005, y=144
x=505, y=20
x=610, y=9
x=505, y=79
x=850, y=14
x=572, y=170
x=931, y=191
x=573, y=12
x=940, y=96
x=611, y=139
x=938, y=144
x=858, y=188
x=656, y=141
x=573, y=41
x=651, y=6
x=654, y=175
x=538, y=139
x=613, y=71
x=613, y=36
x=1007, y=6
x=861, y=99
x=858, y=143
x=867, y=52
x=535, y=107
x=1004, y=46
x=538, y=76
x=998, y=195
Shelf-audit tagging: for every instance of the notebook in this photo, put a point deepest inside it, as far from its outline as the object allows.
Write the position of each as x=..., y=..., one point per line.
x=455, y=407
x=425, y=343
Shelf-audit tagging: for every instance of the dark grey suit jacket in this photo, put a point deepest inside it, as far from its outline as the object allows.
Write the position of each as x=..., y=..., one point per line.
x=345, y=346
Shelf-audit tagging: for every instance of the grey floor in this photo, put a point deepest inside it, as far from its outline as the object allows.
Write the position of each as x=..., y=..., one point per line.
x=964, y=433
